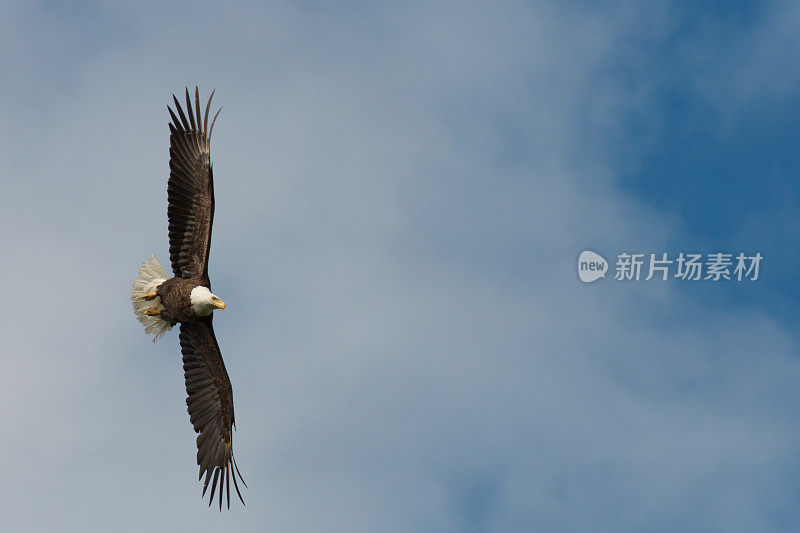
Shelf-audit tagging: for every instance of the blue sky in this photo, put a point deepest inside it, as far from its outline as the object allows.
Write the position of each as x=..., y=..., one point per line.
x=402, y=193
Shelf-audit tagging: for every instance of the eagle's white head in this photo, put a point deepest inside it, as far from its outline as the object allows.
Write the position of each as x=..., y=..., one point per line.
x=203, y=302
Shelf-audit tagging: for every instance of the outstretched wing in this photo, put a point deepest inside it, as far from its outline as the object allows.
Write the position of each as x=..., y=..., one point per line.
x=190, y=190
x=210, y=403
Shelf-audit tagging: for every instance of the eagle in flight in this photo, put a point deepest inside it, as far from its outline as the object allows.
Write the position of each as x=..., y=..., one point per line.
x=161, y=301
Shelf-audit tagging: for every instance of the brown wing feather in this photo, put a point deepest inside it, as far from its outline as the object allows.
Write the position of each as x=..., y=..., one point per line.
x=210, y=405
x=190, y=190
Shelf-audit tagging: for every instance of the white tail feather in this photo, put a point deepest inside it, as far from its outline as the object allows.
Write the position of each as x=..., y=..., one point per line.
x=151, y=275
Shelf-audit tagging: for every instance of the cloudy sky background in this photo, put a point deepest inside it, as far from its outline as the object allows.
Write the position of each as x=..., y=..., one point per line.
x=402, y=194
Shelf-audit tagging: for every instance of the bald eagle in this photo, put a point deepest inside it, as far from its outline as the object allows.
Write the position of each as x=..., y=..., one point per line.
x=161, y=301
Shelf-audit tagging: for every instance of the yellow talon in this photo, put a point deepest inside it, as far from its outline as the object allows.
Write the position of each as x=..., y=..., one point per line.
x=150, y=296
x=153, y=311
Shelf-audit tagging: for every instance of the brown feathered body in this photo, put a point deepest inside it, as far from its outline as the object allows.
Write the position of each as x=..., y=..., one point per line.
x=175, y=294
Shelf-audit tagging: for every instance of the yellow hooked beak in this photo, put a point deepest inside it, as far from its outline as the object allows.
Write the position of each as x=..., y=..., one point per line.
x=219, y=304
